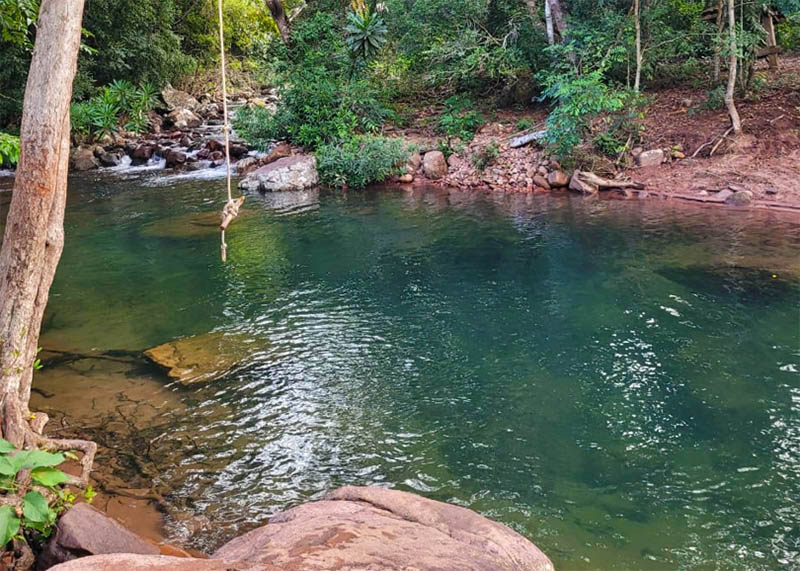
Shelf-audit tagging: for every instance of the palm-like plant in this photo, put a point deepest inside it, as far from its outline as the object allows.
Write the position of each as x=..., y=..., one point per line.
x=366, y=31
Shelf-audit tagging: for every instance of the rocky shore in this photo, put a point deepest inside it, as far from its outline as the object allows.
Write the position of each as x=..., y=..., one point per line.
x=351, y=528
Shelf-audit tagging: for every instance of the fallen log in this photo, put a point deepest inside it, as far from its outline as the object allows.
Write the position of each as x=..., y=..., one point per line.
x=523, y=140
x=589, y=183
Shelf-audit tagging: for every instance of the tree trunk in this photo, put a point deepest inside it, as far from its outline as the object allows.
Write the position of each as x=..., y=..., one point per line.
x=736, y=123
x=548, y=21
x=279, y=15
x=34, y=234
x=638, y=25
x=717, y=44
x=558, y=17
x=769, y=27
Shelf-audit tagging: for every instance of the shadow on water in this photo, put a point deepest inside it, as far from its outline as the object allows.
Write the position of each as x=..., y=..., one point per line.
x=617, y=381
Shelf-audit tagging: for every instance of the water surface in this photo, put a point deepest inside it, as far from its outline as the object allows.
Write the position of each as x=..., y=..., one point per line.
x=617, y=381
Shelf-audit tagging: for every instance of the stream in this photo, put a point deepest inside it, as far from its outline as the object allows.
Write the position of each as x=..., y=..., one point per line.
x=617, y=381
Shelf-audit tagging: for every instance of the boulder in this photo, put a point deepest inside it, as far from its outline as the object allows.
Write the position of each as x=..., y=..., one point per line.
x=176, y=99
x=414, y=162
x=131, y=562
x=723, y=195
x=406, y=178
x=83, y=159
x=434, y=165
x=557, y=178
x=202, y=357
x=278, y=151
x=539, y=180
x=297, y=172
x=651, y=158
x=156, y=121
x=375, y=528
x=142, y=154
x=110, y=159
x=175, y=159
x=740, y=198
x=198, y=165
x=83, y=530
x=236, y=149
x=246, y=165
x=184, y=119
x=216, y=156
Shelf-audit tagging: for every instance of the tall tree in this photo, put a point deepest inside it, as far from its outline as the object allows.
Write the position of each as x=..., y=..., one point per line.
x=736, y=123
x=278, y=13
x=637, y=21
x=34, y=234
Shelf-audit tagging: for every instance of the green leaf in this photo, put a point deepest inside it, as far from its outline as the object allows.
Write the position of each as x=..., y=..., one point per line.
x=36, y=459
x=9, y=524
x=6, y=447
x=35, y=508
x=49, y=477
x=7, y=467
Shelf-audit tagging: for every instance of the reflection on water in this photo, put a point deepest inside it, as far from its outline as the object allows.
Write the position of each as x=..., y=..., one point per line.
x=617, y=381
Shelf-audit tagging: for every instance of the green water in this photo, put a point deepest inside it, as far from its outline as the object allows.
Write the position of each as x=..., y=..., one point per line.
x=616, y=381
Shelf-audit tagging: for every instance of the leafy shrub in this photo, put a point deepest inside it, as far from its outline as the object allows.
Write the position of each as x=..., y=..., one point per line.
x=316, y=109
x=459, y=118
x=485, y=156
x=366, y=31
x=37, y=513
x=9, y=150
x=119, y=104
x=360, y=161
x=524, y=124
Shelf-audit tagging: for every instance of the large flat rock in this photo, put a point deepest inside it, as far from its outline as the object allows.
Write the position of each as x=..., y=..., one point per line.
x=297, y=172
x=202, y=357
x=358, y=528
x=131, y=562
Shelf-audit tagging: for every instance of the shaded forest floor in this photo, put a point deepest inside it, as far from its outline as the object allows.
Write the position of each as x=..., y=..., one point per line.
x=764, y=160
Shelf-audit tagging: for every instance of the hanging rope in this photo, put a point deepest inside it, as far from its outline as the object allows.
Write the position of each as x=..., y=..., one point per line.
x=231, y=209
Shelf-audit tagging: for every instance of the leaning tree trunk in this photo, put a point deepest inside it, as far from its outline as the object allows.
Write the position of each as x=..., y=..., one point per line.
x=279, y=15
x=717, y=44
x=34, y=234
x=736, y=123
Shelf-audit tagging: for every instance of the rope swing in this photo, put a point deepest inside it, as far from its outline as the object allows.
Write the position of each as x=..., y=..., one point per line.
x=231, y=209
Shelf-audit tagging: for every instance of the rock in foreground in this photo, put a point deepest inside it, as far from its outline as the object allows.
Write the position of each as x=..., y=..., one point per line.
x=298, y=172
x=376, y=528
x=358, y=529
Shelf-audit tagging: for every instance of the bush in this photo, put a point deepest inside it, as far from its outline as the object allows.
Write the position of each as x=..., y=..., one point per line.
x=485, y=156
x=120, y=104
x=459, y=119
x=361, y=160
x=9, y=150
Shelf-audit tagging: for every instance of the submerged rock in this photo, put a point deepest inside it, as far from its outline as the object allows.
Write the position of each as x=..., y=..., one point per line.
x=298, y=172
x=191, y=225
x=83, y=530
x=201, y=358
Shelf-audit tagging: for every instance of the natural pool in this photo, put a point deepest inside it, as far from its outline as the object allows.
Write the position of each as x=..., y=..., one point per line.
x=620, y=382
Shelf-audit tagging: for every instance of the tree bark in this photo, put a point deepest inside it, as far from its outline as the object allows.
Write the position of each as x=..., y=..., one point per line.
x=638, y=25
x=34, y=234
x=769, y=26
x=279, y=15
x=736, y=123
x=548, y=22
x=720, y=24
x=558, y=17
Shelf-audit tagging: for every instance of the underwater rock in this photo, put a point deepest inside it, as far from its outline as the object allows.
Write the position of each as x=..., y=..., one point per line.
x=202, y=357
x=191, y=225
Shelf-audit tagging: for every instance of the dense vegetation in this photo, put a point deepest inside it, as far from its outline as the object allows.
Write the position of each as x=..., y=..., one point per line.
x=347, y=69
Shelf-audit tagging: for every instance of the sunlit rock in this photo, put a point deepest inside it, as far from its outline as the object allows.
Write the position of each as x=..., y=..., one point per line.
x=201, y=358
x=298, y=172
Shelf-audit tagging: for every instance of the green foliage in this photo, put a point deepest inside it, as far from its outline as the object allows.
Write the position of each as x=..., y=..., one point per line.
x=788, y=33
x=9, y=150
x=361, y=160
x=524, y=124
x=459, y=119
x=37, y=514
x=485, y=156
x=365, y=31
x=16, y=19
x=119, y=104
